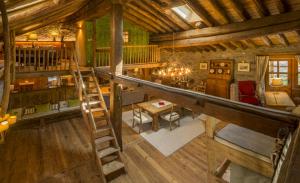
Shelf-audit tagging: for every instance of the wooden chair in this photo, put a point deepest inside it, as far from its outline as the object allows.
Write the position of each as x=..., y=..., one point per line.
x=140, y=117
x=171, y=117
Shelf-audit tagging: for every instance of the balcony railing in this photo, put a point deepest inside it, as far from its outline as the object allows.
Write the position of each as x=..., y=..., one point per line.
x=43, y=59
x=142, y=54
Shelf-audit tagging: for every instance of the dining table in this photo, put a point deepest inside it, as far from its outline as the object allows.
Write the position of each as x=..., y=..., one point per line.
x=155, y=108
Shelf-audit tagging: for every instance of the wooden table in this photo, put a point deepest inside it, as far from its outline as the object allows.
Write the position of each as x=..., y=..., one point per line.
x=155, y=111
x=279, y=100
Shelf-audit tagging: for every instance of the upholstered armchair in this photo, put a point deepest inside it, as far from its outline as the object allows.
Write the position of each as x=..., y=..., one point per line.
x=247, y=92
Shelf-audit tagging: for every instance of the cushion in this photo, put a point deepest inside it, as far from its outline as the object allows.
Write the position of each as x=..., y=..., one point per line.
x=174, y=116
x=145, y=118
x=250, y=100
x=247, y=88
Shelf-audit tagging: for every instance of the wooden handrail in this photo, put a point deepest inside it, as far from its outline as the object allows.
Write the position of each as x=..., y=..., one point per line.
x=43, y=59
x=261, y=119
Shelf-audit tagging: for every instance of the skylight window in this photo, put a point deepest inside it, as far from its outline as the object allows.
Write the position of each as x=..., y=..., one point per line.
x=187, y=13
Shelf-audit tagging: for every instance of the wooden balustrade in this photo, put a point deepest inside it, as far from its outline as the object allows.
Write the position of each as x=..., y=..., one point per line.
x=43, y=59
x=142, y=54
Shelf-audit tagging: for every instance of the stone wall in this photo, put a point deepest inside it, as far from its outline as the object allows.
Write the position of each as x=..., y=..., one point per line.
x=194, y=58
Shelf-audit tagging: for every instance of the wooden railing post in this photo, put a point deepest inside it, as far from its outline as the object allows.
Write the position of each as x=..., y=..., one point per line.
x=13, y=56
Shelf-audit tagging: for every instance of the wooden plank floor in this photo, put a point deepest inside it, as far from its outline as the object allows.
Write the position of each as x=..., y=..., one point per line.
x=61, y=152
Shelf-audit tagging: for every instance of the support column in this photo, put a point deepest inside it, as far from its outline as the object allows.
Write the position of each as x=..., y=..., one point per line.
x=81, y=42
x=94, y=42
x=7, y=58
x=116, y=67
x=13, y=55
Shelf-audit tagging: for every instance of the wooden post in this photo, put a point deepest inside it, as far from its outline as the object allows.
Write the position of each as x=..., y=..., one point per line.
x=210, y=125
x=7, y=57
x=13, y=56
x=116, y=67
x=94, y=36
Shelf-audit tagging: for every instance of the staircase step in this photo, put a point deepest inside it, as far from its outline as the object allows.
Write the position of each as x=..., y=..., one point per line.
x=94, y=110
x=103, y=139
x=112, y=167
x=108, y=159
x=101, y=131
x=106, y=152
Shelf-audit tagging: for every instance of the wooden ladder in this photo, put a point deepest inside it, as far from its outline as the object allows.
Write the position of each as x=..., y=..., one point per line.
x=105, y=146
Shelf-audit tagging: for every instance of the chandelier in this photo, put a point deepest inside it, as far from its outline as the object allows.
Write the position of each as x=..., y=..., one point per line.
x=174, y=72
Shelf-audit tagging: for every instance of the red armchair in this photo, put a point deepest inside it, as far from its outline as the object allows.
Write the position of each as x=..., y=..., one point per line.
x=247, y=92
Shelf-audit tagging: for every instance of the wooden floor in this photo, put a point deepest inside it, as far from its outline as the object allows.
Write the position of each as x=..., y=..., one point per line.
x=61, y=152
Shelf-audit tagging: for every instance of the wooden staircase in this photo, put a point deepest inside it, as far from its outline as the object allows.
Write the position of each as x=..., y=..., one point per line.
x=105, y=146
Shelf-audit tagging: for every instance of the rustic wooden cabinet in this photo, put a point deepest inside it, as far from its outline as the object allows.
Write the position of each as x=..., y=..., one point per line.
x=219, y=78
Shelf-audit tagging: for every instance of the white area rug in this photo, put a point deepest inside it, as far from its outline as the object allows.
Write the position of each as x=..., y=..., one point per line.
x=166, y=141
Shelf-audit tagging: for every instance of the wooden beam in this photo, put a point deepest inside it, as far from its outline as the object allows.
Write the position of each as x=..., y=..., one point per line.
x=239, y=9
x=116, y=67
x=220, y=47
x=157, y=14
x=260, y=8
x=251, y=43
x=274, y=20
x=267, y=41
x=264, y=120
x=220, y=10
x=169, y=15
x=211, y=48
x=7, y=58
x=201, y=12
x=92, y=10
x=137, y=21
x=149, y=16
x=145, y=19
x=230, y=45
x=283, y=39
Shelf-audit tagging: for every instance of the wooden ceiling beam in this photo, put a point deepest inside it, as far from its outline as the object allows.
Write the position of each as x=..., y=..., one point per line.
x=229, y=45
x=251, y=43
x=283, y=39
x=239, y=9
x=145, y=20
x=148, y=15
x=267, y=41
x=93, y=9
x=169, y=14
x=220, y=10
x=38, y=18
x=157, y=14
x=211, y=48
x=138, y=22
x=261, y=8
x=220, y=47
x=253, y=24
x=201, y=12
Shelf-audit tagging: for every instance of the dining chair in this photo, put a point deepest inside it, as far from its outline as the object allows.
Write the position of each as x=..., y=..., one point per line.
x=140, y=117
x=172, y=117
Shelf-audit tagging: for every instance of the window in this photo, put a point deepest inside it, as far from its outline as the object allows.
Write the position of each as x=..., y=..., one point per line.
x=187, y=13
x=126, y=37
x=279, y=69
